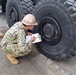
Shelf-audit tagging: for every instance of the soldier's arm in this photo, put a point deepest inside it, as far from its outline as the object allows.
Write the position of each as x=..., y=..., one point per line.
x=23, y=47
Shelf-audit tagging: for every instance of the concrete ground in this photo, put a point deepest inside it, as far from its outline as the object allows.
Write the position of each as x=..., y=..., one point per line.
x=35, y=63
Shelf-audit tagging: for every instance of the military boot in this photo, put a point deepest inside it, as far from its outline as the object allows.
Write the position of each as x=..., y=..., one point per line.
x=12, y=59
x=1, y=35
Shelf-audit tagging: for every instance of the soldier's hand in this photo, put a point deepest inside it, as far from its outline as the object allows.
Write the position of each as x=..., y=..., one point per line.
x=29, y=33
x=32, y=39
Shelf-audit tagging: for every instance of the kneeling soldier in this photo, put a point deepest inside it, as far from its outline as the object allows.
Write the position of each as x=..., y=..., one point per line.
x=14, y=39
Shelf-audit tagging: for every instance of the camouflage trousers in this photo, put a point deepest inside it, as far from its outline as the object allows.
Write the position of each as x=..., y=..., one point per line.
x=14, y=50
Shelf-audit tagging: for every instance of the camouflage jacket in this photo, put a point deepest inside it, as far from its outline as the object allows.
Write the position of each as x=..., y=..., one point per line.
x=16, y=35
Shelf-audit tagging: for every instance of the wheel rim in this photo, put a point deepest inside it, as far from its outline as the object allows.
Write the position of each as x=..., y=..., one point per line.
x=13, y=14
x=50, y=30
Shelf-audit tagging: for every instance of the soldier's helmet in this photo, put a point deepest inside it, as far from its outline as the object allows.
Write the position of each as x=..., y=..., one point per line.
x=29, y=19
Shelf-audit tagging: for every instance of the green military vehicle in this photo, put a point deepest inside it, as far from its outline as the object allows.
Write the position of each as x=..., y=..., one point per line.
x=56, y=24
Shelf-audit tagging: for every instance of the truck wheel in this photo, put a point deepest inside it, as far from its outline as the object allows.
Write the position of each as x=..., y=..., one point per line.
x=17, y=9
x=35, y=1
x=57, y=26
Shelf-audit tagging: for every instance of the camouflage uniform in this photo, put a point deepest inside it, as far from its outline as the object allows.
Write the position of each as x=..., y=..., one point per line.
x=14, y=41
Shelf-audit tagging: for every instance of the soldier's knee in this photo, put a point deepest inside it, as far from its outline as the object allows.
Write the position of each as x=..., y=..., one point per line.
x=20, y=54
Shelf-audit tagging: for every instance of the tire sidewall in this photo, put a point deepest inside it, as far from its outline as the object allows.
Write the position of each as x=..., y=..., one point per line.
x=12, y=3
x=40, y=12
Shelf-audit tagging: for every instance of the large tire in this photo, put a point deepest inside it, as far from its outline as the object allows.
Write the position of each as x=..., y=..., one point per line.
x=35, y=1
x=17, y=9
x=57, y=26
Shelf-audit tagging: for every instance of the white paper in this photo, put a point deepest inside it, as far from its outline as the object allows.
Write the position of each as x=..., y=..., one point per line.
x=28, y=38
x=36, y=35
x=38, y=38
